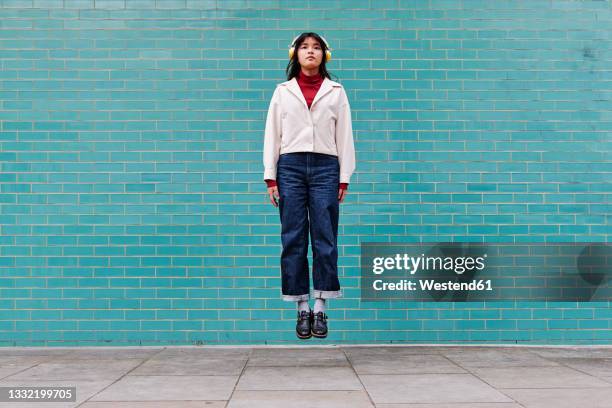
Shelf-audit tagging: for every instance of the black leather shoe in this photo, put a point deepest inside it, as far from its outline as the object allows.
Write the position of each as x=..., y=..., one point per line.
x=319, y=325
x=302, y=328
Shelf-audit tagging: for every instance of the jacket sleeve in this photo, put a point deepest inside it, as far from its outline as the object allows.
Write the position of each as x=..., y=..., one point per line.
x=344, y=139
x=272, y=137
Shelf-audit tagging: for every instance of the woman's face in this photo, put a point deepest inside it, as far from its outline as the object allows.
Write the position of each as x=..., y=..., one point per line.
x=310, y=53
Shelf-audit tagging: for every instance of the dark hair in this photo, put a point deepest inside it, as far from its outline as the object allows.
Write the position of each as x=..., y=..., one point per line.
x=293, y=68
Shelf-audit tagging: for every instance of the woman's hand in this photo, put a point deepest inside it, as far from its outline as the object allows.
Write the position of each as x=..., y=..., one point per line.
x=274, y=196
x=341, y=194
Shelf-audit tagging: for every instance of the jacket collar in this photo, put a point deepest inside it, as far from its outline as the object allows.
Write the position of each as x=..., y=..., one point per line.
x=326, y=86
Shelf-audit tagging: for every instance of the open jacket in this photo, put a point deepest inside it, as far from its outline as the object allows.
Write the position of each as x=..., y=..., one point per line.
x=324, y=128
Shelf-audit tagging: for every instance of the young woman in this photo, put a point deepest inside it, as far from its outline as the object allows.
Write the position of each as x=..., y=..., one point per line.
x=309, y=158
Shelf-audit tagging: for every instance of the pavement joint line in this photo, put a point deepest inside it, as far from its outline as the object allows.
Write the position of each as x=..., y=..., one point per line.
x=359, y=378
x=468, y=371
x=144, y=360
x=246, y=363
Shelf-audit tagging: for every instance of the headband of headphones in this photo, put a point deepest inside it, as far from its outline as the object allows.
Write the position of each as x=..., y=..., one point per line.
x=328, y=54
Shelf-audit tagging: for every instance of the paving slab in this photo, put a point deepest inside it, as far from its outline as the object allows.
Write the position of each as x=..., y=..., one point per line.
x=169, y=388
x=470, y=405
x=306, y=378
x=404, y=364
x=193, y=366
x=588, y=352
x=207, y=352
x=538, y=377
x=34, y=351
x=155, y=404
x=562, y=397
x=89, y=354
x=487, y=357
x=286, y=357
x=300, y=399
x=599, y=367
x=390, y=351
x=94, y=369
x=10, y=365
x=430, y=388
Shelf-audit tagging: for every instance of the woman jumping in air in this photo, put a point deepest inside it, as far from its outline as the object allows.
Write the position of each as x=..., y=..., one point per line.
x=309, y=157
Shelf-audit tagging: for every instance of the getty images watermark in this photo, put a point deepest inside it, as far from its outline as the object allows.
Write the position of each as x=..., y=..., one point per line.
x=475, y=271
x=413, y=264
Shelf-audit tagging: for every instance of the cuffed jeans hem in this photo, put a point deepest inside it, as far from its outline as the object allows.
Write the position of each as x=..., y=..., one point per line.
x=327, y=294
x=295, y=298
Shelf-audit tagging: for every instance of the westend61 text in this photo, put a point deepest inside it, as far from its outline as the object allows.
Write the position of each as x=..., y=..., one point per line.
x=430, y=284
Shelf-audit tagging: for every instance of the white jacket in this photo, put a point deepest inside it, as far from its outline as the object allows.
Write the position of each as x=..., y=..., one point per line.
x=324, y=128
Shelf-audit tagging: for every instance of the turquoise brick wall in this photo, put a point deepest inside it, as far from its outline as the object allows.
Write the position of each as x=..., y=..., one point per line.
x=132, y=205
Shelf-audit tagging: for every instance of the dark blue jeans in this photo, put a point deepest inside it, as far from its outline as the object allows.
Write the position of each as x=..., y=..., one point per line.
x=308, y=190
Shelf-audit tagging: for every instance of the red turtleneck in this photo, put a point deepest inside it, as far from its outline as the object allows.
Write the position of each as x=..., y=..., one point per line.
x=310, y=86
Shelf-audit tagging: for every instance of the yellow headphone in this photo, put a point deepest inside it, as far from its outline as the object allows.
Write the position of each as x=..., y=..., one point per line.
x=327, y=51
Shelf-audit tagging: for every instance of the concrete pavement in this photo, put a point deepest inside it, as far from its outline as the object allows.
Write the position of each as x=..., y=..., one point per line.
x=382, y=376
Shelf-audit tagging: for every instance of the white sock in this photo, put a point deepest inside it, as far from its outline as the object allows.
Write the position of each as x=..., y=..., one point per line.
x=319, y=305
x=302, y=305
